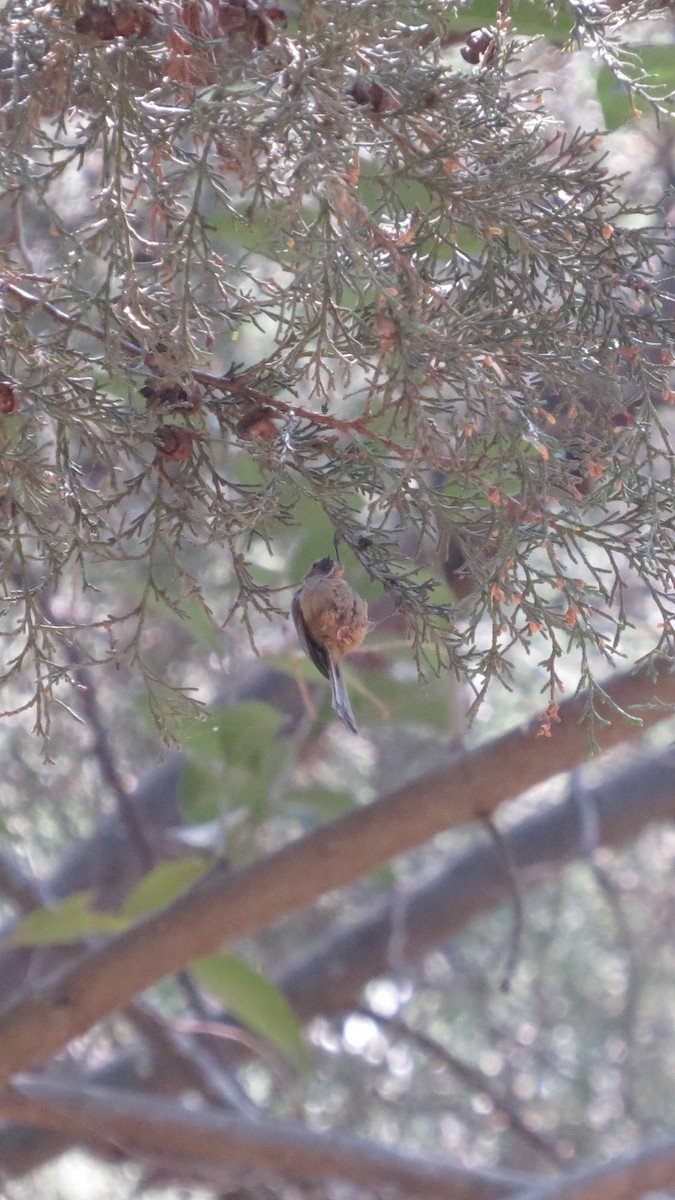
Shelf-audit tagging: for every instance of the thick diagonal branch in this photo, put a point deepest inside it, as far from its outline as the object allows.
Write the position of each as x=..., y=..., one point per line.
x=334, y=973
x=235, y=904
x=648, y=1170
x=330, y=975
x=153, y=1129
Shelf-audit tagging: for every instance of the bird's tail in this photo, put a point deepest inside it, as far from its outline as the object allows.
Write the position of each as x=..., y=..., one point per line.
x=340, y=698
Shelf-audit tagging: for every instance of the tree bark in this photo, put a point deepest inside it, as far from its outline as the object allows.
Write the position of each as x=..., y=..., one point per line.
x=156, y=1130
x=230, y=905
x=330, y=976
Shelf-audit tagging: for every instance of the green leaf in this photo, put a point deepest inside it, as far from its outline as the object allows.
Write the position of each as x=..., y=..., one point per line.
x=402, y=700
x=408, y=701
x=317, y=539
x=238, y=735
x=327, y=803
x=202, y=789
x=255, y=235
x=164, y=884
x=70, y=921
x=618, y=105
x=294, y=665
x=196, y=621
x=529, y=17
x=244, y=739
x=256, y=1002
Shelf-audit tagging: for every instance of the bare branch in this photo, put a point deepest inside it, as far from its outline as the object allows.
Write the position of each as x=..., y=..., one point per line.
x=469, y=1075
x=229, y=905
x=199, y=1067
x=509, y=867
x=18, y=886
x=651, y=1169
x=149, y=1128
x=331, y=976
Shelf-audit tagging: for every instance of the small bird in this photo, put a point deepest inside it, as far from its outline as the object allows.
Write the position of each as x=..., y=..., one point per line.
x=331, y=620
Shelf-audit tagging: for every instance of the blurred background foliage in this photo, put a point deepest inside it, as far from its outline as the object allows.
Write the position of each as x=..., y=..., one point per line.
x=390, y=277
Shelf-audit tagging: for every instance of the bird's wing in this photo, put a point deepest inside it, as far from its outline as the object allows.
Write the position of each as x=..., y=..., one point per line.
x=315, y=653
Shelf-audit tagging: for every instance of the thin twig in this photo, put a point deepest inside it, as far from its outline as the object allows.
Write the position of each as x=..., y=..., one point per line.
x=18, y=886
x=150, y=1128
x=469, y=1075
x=64, y=318
x=511, y=871
x=214, y=1083
x=101, y=746
x=234, y=387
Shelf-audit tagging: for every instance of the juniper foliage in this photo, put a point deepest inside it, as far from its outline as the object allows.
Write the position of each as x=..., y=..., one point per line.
x=451, y=316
